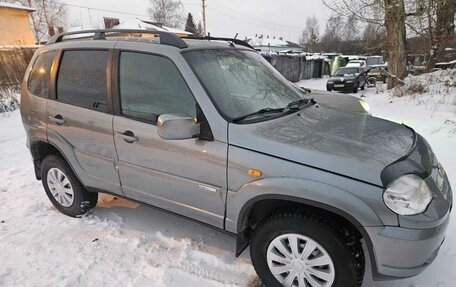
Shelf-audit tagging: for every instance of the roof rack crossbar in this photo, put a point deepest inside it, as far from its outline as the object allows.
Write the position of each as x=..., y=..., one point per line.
x=166, y=38
x=231, y=40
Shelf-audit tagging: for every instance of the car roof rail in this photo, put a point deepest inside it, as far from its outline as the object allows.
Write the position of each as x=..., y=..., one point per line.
x=166, y=38
x=230, y=40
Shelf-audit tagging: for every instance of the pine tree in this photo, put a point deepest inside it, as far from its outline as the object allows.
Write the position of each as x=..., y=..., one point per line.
x=190, y=24
x=199, y=30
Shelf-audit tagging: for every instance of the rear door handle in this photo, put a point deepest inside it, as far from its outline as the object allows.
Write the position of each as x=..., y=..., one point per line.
x=127, y=136
x=58, y=119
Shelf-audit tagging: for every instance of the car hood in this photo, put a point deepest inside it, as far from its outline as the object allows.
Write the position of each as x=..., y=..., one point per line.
x=351, y=144
x=337, y=101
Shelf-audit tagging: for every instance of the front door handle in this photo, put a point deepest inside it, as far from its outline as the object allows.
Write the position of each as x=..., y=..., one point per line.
x=127, y=136
x=58, y=119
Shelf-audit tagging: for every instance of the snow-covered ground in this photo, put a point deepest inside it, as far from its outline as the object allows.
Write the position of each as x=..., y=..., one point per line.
x=125, y=244
x=119, y=244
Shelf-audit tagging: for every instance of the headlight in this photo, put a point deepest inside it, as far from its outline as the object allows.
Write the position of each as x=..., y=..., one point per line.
x=440, y=178
x=408, y=195
x=365, y=106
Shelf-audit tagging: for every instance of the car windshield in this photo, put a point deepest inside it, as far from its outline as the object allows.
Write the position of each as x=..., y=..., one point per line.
x=346, y=71
x=241, y=82
x=374, y=61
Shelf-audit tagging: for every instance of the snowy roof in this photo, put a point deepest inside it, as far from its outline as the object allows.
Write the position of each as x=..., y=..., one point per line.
x=264, y=41
x=316, y=57
x=15, y=6
x=142, y=24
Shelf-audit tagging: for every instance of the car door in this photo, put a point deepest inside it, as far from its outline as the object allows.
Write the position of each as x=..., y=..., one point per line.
x=79, y=122
x=364, y=75
x=184, y=176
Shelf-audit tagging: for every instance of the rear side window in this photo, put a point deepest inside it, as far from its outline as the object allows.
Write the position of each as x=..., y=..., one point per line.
x=38, y=81
x=82, y=79
x=151, y=86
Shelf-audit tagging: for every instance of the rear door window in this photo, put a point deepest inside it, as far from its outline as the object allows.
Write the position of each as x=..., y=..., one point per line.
x=81, y=79
x=38, y=81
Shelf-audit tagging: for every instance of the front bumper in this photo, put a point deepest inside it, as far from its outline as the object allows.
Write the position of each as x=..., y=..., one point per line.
x=401, y=252
x=341, y=86
x=406, y=250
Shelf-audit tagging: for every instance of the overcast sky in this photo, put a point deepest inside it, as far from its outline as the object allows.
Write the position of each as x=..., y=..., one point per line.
x=285, y=18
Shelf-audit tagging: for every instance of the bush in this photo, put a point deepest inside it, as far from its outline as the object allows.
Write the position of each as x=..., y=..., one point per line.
x=9, y=99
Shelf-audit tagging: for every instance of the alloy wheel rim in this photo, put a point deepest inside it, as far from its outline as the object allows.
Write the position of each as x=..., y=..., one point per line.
x=60, y=187
x=296, y=260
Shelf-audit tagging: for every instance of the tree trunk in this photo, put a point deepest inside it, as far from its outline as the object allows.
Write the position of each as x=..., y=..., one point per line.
x=444, y=29
x=395, y=41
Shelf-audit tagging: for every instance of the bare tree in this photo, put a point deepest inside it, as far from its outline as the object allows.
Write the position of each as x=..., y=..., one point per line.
x=373, y=39
x=395, y=45
x=444, y=29
x=351, y=29
x=333, y=36
x=391, y=14
x=168, y=12
x=311, y=34
x=48, y=19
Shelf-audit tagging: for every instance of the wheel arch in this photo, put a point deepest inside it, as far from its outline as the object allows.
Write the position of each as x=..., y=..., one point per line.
x=39, y=149
x=269, y=203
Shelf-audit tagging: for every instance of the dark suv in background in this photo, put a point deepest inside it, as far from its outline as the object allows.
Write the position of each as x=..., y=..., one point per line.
x=347, y=79
x=206, y=128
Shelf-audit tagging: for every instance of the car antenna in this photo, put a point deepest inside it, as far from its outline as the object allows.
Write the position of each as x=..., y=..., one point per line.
x=232, y=42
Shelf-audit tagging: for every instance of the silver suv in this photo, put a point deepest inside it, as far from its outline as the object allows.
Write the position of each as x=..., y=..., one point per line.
x=207, y=129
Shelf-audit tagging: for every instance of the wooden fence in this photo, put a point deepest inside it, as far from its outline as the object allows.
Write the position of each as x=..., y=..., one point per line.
x=297, y=67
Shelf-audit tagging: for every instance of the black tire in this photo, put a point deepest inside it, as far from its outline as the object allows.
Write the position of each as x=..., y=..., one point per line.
x=344, y=248
x=363, y=87
x=83, y=201
x=355, y=90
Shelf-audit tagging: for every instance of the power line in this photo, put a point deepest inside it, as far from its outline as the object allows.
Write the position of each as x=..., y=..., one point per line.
x=104, y=10
x=254, y=21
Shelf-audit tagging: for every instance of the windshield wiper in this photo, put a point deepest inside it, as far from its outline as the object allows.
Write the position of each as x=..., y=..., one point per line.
x=302, y=103
x=264, y=112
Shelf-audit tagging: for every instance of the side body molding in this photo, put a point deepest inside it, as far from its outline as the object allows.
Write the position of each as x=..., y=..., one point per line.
x=318, y=194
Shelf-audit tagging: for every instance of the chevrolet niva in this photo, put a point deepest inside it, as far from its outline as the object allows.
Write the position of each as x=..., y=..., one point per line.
x=207, y=129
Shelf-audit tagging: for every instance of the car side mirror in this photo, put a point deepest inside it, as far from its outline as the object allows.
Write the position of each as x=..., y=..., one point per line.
x=177, y=127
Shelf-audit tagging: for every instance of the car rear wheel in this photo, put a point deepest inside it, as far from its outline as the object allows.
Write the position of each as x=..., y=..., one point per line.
x=63, y=188
x=294, y=249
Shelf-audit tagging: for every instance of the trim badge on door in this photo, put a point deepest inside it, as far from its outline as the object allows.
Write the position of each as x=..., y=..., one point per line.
x=207, y=188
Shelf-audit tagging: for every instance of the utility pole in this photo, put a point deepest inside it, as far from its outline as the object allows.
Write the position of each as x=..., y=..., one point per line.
x=204, y=18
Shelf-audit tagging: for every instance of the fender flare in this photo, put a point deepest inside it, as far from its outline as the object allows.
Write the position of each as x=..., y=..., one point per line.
x=243, y=233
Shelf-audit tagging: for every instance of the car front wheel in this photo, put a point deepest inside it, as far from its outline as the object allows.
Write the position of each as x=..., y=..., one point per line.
x=63, y=188
x=294, y=249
